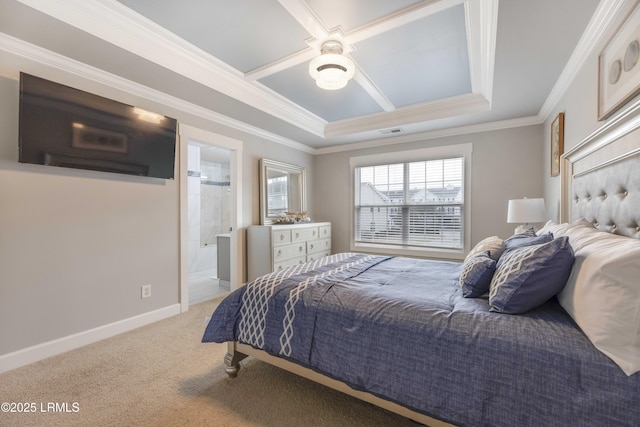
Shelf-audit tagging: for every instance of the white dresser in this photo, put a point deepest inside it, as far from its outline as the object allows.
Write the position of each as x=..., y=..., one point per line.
x=275, y=247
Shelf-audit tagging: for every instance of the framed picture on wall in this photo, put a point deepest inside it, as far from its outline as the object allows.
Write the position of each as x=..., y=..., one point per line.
x=619, y=66
x=557, y=143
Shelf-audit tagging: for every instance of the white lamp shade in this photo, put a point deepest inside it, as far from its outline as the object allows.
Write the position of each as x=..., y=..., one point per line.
x=525, y=211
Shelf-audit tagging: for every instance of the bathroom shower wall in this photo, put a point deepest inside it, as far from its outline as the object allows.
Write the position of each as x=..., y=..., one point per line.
x=215, y=199
x=200, y=258
x=209, y=204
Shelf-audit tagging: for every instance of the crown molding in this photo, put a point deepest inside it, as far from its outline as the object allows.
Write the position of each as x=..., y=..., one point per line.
x=599, y=26
x=458, y=105
x=113, y=22
x=301, y=12
x=43, y=56
x=441, y=133
x=374, y=92
x=488, y=32
x=410, y=14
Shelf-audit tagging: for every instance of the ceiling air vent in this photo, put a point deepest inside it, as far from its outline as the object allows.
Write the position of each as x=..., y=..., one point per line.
x=393, y=131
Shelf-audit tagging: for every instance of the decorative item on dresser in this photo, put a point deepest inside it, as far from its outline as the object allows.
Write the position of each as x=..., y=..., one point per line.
x=275, y=247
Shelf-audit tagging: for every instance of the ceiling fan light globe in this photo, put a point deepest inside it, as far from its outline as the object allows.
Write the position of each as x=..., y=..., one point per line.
x=331, y=84
x=331, y=71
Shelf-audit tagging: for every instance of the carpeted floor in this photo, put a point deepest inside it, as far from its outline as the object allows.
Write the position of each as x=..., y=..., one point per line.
x=162, y=375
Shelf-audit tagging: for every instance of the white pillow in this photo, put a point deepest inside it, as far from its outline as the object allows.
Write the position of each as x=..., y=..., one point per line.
x=561, y=229
x=494, y=245
x=548, y=227
x=581, y=237
x=602, y=293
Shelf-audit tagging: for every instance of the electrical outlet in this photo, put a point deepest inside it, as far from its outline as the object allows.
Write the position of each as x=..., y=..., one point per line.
x=145, y=291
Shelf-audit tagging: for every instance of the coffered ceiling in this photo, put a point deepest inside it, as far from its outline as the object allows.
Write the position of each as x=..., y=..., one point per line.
x=420, y=65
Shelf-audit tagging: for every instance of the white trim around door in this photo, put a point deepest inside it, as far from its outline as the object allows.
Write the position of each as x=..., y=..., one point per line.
x=188, y=133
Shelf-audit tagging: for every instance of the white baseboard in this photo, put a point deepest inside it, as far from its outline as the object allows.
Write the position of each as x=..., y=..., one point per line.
x=37, y=352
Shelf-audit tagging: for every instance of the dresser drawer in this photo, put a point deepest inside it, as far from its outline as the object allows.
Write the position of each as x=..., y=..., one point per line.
x=302, y=234
x=289, y=251
x=318, y=245
x=279, y=266
x=281, y=237
x=325, y=231
x=317, y=255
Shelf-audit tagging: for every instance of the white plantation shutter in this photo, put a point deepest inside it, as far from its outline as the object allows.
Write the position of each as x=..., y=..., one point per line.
x=418, y=204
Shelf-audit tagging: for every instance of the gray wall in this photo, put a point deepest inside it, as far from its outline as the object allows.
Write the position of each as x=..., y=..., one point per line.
x=580, y=107
x=76, y=246
x=506, y=165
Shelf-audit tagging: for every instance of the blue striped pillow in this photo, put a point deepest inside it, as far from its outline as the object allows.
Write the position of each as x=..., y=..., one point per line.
x=476, y=274
x=529, y=276
x=520, y=241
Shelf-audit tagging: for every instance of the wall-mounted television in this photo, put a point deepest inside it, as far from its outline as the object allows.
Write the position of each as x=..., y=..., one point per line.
x=67, y=127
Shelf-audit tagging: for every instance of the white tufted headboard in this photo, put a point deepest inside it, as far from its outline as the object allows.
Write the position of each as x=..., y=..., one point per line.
x=601, y=176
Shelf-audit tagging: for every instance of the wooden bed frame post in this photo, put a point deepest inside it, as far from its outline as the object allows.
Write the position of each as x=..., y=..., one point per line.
x=232, y=360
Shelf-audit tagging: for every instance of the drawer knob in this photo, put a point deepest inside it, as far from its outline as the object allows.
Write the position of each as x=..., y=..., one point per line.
x=311, y=246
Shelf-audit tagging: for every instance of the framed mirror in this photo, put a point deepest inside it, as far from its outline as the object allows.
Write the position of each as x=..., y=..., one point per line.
x=282, y=189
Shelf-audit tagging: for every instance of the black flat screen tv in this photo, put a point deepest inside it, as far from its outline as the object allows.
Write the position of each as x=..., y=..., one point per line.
x=67, y=127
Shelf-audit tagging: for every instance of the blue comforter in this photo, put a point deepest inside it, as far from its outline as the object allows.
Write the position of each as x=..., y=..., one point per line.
x=399, y=328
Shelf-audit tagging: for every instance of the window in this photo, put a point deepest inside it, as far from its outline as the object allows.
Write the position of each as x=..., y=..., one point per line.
x=415, y=205
x=277, y=190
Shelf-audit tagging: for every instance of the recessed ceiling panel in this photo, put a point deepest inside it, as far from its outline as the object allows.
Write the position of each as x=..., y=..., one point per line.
x=232, y=31
x=296, y=84
x=421, y=61
x=354, y=13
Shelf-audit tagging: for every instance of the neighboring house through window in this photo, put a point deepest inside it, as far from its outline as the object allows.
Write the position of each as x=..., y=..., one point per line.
x=413, y=202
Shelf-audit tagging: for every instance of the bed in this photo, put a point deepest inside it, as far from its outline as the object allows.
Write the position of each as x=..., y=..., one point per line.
x=449, y=343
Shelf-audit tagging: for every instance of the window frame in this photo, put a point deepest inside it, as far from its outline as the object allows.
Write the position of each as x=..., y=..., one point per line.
x=424, y=154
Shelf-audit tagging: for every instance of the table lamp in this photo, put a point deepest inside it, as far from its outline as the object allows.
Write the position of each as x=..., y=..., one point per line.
x=526, y=211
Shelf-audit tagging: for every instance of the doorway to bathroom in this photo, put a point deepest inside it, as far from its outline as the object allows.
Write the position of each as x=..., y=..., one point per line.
x=210, y=208
x=209, y=194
